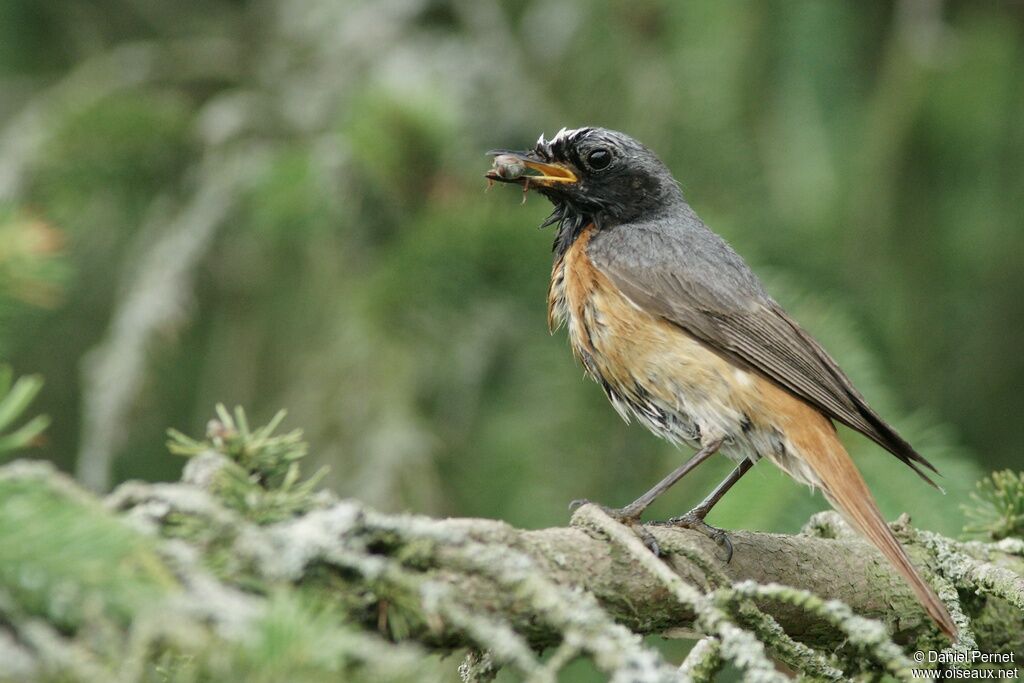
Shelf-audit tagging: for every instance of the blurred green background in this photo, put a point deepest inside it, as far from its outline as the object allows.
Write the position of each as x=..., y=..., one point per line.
x=281, y=204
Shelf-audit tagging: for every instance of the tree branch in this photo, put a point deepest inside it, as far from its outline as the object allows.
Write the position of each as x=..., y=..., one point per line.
x=218, y=553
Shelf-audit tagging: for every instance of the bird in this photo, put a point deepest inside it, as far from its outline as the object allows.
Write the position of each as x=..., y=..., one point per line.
x=682, y=335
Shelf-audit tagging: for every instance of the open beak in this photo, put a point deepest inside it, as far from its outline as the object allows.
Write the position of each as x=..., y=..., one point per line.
x=524, y=168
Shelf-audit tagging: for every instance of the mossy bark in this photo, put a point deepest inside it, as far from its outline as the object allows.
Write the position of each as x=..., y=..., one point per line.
x=173, y=573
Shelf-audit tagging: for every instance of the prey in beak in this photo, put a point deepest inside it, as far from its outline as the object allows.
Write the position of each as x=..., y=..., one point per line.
x=525, y=169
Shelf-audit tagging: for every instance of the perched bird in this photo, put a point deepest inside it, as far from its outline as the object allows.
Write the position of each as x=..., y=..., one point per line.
x=681, y=335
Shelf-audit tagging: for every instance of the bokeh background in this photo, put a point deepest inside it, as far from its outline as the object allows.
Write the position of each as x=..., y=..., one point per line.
x=281, y=204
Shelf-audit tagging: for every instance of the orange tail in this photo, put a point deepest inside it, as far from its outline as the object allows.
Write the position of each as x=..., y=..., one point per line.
x=845, y=489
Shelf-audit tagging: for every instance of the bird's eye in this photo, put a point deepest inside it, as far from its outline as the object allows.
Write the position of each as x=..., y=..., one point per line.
x=599, y=159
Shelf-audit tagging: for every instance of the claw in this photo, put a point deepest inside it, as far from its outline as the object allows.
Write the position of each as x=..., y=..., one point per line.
x=695, y=520
x=722, y=539
x=647, y=538
x=626, y=516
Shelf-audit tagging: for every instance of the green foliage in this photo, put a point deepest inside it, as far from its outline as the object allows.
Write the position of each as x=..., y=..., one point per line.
x=103, y=165
x=29, y=268
x=263, y=480
x=289, y=200
x=15, y=398
x=998, y=506
x=76, y=578
x=32, y=268
x=64, y=558
x=299, y=640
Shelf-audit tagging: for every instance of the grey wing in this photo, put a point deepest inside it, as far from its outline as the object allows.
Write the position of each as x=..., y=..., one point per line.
x=712, y=294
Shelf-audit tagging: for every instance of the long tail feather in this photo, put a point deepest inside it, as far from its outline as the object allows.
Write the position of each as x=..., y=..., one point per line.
x=845, y=489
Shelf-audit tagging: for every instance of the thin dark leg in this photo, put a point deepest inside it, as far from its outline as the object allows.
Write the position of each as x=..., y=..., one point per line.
x=694, y=519
x=637, y=507
x=630, y=515
x=712, y=498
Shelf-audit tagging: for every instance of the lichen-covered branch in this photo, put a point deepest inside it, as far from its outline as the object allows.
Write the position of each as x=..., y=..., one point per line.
x=196, y=579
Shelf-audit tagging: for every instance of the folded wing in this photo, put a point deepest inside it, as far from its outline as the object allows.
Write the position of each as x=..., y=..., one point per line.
x=724, y=306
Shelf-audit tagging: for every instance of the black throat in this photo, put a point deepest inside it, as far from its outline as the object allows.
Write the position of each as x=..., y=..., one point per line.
x=570, y=221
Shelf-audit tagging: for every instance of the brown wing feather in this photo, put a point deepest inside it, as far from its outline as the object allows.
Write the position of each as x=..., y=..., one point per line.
x=759, y=335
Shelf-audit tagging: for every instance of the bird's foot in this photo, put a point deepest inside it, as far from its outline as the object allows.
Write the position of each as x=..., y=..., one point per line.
x=694, y=519
x=629, y=516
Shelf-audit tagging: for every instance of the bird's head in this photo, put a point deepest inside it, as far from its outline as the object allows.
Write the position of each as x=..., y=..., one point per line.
x=602, y=175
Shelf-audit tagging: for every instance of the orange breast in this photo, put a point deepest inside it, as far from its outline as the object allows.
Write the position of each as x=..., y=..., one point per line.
x=624, y=345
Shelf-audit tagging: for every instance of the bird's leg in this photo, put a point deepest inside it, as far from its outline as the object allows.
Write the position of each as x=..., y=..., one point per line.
x=637, y=507
x=630, y=515
x=694, y=519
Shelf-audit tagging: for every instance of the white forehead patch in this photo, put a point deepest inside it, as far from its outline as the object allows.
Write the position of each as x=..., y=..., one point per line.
x=556, y=145
x=561, y=137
